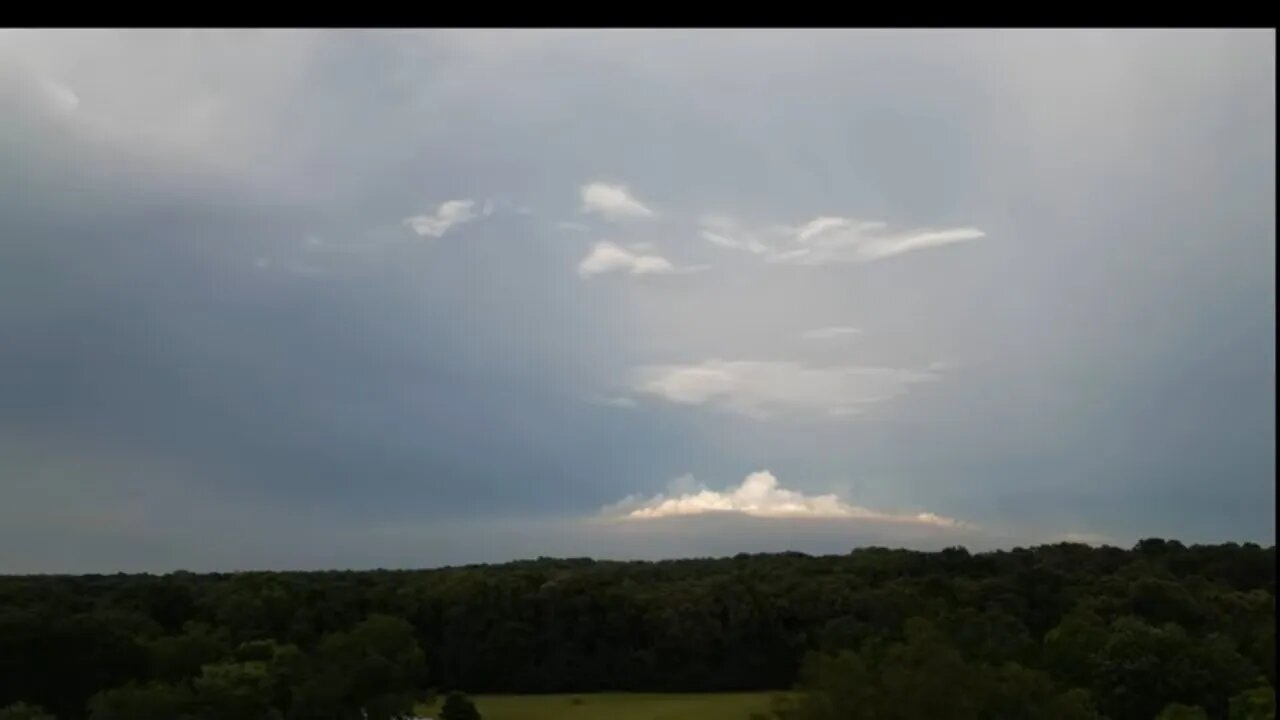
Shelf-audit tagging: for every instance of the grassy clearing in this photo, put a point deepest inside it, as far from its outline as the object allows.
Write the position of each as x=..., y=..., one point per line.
x=619, y=706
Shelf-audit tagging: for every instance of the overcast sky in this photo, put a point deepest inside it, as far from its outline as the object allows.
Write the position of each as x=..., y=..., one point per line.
x=357, y=299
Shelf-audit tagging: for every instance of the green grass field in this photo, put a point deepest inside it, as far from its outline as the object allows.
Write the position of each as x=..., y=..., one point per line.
x=619, y=706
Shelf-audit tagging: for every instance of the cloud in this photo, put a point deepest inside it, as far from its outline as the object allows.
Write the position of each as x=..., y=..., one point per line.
x=448, y=216
x=750, y=245
x=62, y=98
x=614, y=202
x=607, y=257
x=835, y=239
x=1085, y=538
x=760, y=496
x=878, y=248
x=830, y=332
x=618, y=401
x=760, y=389
x=723, y=231
x=571, y=226
x=829, y=239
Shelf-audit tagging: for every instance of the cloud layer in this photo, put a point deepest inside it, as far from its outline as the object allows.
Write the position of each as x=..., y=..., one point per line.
x=761, y=496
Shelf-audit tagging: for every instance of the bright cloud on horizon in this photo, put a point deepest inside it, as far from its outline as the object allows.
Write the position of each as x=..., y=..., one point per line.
x=760, y=495
x=760, y=389
x=1085, y=538
x=448, y=216
x=614, y=202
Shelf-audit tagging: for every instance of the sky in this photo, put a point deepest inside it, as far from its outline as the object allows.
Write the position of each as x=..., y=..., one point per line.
x=291, y=300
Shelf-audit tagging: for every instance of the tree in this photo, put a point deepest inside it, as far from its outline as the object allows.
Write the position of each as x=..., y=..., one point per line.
x=375, y=669
x=1074, y=704
x=1072, y=649
x=925, y=677
x=458, y=707
x=1256, y=704
x=1178, y=711
x=1024, y=634
x=180, y=657
x=1143, y=668
x=237, y=691
x=25, y=711
x=152, y=701
x=1014, y=691
x=835, y=687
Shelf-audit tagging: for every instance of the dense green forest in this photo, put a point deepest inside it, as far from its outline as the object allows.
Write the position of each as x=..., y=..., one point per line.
x=1057, y=631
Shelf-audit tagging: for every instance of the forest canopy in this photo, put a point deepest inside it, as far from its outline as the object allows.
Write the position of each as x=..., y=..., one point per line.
x=1055, y=631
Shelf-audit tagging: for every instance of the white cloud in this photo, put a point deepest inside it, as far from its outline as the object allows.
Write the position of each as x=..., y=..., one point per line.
x=830, y=332
x=448, y=216
x=834, y=239
x=760, y=389
x=829, y=239
x=614, y=202
x=607, y=257
x=888, y=246
x=820, y=225
x=759, y=495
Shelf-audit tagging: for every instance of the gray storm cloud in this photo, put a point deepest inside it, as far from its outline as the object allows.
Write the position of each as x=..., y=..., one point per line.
x=360, y=294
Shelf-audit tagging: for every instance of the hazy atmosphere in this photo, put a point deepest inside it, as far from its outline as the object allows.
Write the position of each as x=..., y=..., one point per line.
x=401, y=299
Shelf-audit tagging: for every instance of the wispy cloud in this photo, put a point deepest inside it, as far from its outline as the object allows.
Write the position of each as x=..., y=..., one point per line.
x=760, y=389
x=836, y=239
x=572, y=226
x=877, y=248
x=617, y=401
x=760, y=495
x=830, y=332
x=614, y=202
x=61, y=97
x=829, y=239
x=607, y=257
x=448, y=216
x=723, y=231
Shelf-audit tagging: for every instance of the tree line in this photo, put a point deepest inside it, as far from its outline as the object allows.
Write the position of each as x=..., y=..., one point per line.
x=1056, y=631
